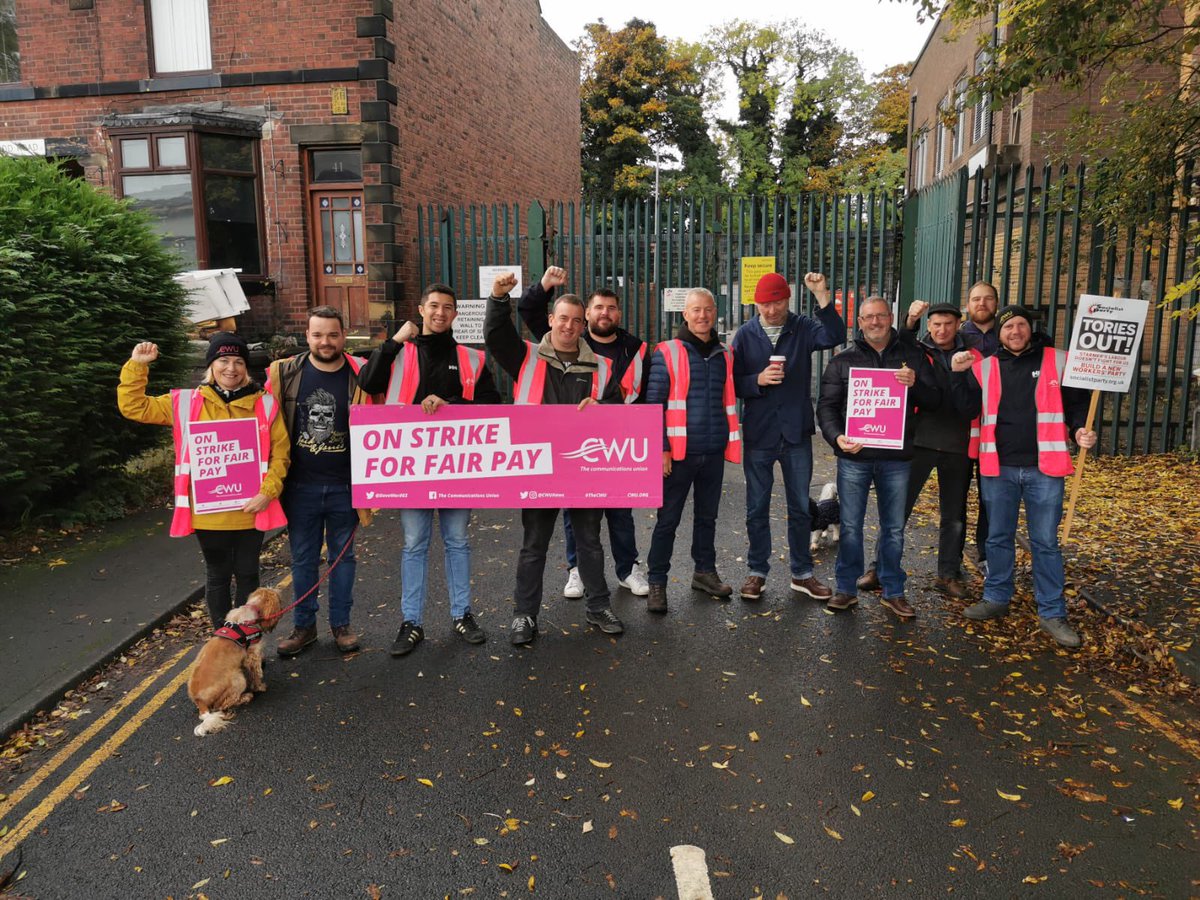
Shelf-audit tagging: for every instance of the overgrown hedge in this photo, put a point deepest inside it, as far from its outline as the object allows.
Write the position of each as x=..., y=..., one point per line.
x=82, y=279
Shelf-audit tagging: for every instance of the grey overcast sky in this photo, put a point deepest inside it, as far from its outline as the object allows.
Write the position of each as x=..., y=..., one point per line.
x=879, y=32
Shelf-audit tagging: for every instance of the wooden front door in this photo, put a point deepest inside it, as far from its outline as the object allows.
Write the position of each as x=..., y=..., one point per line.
x=340, y=253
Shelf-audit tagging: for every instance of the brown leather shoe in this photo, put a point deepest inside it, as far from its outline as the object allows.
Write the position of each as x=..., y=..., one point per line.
x=812, y=587
x=656, y=600
x=297, y=642
x=900, y=607
x=711, y=583
x=951, y=587
x=842, y=601
x=345, y=638
x=753, y=587
x=869, y=581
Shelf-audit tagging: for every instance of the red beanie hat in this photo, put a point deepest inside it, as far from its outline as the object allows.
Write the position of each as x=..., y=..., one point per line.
x=772, y=286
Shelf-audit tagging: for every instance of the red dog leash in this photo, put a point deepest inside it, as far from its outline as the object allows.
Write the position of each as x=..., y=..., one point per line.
x=320, y=581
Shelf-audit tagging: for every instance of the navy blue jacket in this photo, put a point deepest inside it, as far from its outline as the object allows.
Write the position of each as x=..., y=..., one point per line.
x=783, y=410
x=707, y=427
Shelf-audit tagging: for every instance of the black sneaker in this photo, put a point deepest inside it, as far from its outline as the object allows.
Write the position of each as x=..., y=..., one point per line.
x=468, y=630
x=406, y=641
x=523, y=631
x=606, y=620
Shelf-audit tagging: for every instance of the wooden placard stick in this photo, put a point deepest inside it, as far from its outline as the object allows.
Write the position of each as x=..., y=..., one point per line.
x=1077, y=478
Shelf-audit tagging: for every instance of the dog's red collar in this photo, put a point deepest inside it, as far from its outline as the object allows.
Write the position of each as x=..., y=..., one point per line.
x=244, y=635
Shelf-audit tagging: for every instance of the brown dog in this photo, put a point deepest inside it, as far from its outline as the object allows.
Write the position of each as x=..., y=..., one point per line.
x=228, y=671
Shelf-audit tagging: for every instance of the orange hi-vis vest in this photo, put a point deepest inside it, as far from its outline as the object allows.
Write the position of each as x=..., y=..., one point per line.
x=679, y=371
x=1053, y=457
x=186, y=406
x=531, y=380
x=406, y=374
x=631, y=381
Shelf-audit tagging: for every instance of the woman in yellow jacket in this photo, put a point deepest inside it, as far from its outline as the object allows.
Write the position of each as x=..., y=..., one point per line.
x=231, y=542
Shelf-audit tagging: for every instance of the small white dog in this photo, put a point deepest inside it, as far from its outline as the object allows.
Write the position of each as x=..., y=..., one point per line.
x=826, y=515
x=228, y=672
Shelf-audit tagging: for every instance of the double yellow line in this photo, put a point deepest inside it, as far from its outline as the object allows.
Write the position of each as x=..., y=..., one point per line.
x=104, y=752
x=39, y=813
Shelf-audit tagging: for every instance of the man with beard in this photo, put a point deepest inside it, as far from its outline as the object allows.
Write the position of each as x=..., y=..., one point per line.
x=858, y=467
x=772, y=372
x=627, y=353
x=315, y=390
x=980, y=334
x=422, y=363
x=1025, y=417
x=561, y=370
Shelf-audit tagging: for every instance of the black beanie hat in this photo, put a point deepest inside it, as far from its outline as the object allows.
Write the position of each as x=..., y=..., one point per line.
x=1010, y=312
x=226, y=343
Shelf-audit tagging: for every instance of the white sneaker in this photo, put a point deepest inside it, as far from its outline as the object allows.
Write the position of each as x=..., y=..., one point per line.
x=574, y=588
x=636, y=582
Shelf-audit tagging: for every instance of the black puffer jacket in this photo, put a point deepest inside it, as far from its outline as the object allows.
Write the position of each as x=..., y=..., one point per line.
x=835, y=381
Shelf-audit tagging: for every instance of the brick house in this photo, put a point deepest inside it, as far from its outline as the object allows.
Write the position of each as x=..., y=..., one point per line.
x=1025, y=129
x=295, y=140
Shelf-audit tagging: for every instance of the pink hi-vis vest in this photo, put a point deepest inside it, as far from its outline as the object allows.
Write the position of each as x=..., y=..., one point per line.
x=186, y=407
x=680, y=373
x=973, y=436
x=631, y=381
x=406, y=374
x=1053, y=458
x=531, y=380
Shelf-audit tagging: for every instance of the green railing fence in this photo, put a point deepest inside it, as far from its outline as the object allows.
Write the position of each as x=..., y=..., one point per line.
x=1021, y=229
x=641, y=247
x=1024, y=230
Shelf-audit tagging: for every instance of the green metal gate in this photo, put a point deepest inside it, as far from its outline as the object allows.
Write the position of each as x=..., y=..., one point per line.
x=640, y=247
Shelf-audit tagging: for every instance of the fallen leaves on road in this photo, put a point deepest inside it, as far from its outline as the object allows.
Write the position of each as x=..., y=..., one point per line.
x=1133, y=578
x=221, y=782
x=783, y=837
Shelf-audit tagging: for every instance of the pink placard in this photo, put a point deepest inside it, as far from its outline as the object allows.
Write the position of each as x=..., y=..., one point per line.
x=876, y=409
x=507, y=456
x=225, y=469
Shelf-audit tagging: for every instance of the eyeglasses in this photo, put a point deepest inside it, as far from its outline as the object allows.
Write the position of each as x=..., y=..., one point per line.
x=873, y=316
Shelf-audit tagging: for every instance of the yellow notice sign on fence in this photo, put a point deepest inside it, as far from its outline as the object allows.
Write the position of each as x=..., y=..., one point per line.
x=754, y=268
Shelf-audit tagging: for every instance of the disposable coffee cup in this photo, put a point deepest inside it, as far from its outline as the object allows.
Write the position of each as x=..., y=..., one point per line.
x=778, y=361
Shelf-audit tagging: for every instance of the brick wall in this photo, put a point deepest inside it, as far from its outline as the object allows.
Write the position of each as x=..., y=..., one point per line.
x=500, y=99
x=476, y=102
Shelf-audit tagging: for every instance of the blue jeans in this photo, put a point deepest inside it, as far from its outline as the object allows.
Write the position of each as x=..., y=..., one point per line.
x=854, y=480
x=706, y=472
x=414, y=567
x=321, y=514
x=795, y=460
x=621, y=537
x=1043, y=497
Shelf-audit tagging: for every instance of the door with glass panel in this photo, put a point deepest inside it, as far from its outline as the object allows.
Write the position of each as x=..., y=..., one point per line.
x=341, y=259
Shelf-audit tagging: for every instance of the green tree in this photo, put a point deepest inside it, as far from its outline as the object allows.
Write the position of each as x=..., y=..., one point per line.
x=1148, y=126
x=82, y=279
x=804, y=107
x=639, y=93
x=874, y=148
